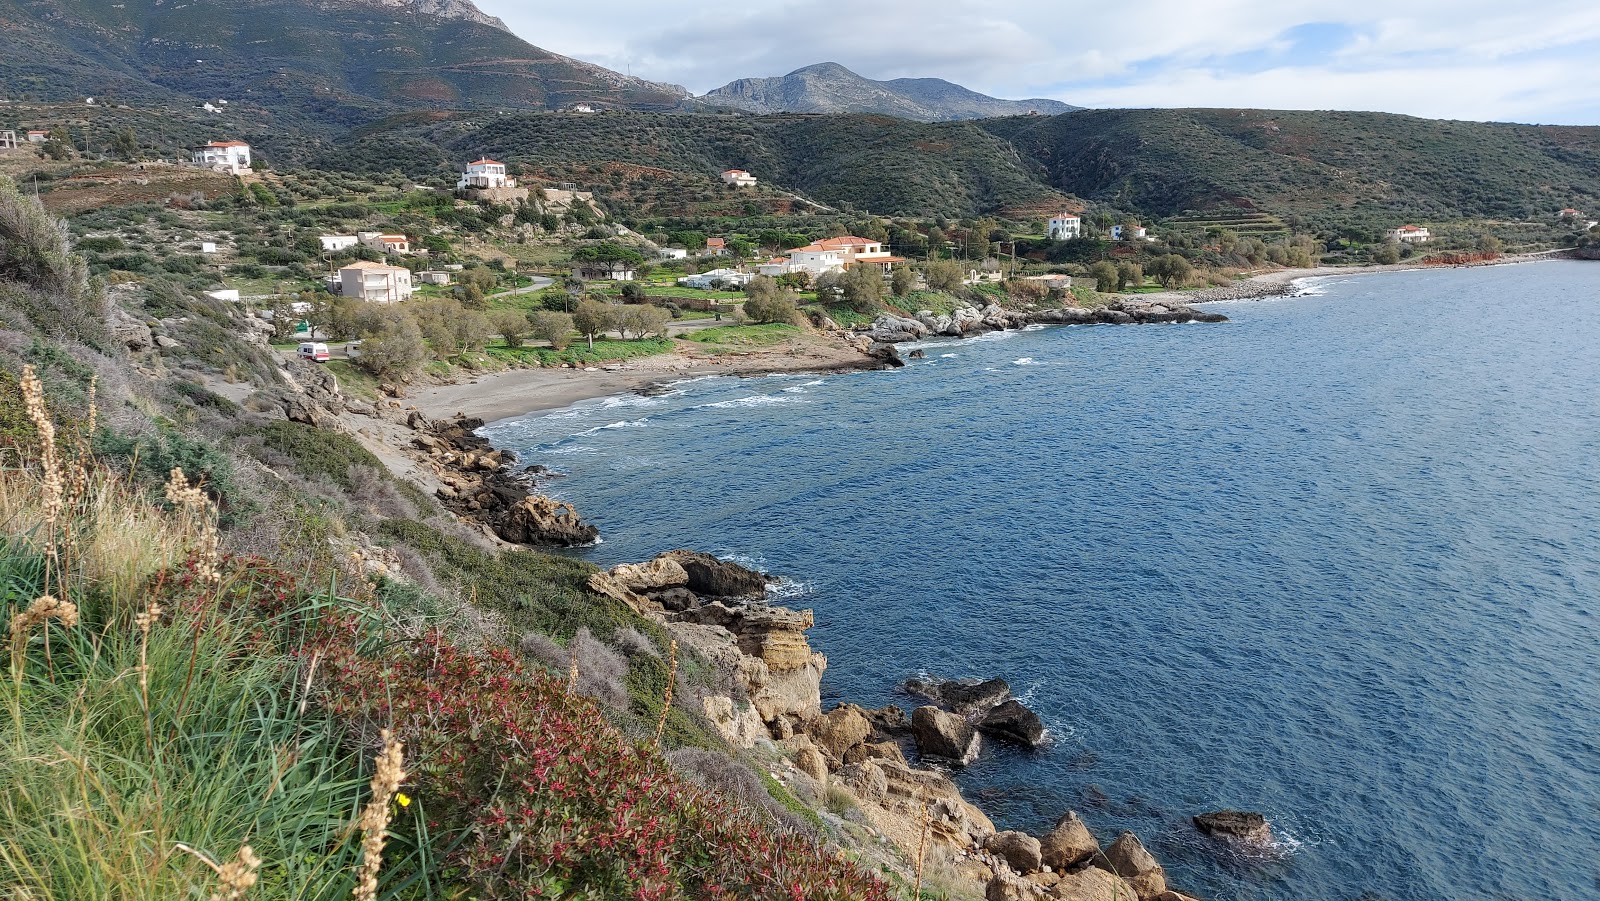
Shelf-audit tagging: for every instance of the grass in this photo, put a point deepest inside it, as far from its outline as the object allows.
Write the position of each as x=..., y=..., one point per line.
x=606, y=350
x=741, y=337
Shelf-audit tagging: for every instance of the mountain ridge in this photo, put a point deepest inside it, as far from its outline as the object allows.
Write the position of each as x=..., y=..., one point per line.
x=829, y=87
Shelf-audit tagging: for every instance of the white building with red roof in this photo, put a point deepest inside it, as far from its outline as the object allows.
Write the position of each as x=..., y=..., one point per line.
x=485, y=173
x=738, y=178
x=1409, y=234
x=384, y=243
x=375, y=282
x=232, y=157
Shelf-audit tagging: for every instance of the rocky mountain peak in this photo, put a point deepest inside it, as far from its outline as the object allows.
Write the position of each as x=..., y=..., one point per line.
x=444, y=9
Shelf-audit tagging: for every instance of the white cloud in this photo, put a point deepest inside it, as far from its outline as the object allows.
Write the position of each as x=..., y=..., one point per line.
x=1479, y=58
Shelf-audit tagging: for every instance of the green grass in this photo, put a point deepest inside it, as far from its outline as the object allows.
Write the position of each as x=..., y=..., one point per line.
x=353, y=380
x=739, y=337
x=98, y=787
x=606, y=350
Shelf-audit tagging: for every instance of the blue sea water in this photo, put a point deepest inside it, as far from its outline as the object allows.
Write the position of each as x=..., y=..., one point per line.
x=1337, y=560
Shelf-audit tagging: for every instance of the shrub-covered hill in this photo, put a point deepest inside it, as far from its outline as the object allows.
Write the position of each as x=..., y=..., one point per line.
x=323, y=66
x=886, y=165
x=1328, y=167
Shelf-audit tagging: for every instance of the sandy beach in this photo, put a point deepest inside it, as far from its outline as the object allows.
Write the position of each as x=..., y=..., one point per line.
x=515, y=392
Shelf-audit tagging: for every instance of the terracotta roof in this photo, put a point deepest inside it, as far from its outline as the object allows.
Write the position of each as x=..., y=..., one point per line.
x=777, y=260
x=368, y=264
x=388, y=238
x=487, y=161
x=227, y=144
x=845, y=241
x=734, y=172
x=716, y=242
x=1065, y=216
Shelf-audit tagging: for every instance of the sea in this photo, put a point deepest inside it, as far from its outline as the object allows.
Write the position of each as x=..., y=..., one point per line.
x=1336, y=560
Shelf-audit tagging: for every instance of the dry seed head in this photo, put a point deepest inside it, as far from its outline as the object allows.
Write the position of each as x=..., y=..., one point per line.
x=39, y=414
x=94, y=409
x=147, y=618
x=374, y=820
x=237, y=875
x=43, y=609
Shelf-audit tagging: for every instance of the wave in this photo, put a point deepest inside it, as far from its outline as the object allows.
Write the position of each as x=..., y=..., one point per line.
x=948, y=356
x=1034, y=327
x=621, y=424
x=1026, y=361
x=801, y=388
x=753, y=400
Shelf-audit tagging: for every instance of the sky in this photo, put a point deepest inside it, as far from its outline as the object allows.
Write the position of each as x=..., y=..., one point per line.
x=1464, y=59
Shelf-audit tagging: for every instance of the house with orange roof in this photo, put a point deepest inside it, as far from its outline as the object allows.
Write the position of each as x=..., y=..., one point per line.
x=383, y=243
x=1409, y=234
x=716, y=247
x=232, y=157
x=738, y=178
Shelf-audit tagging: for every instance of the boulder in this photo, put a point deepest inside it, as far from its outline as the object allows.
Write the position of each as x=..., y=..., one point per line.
x=842, y=728
x=1014, y=723
x=891, y=329
x=886, y=354
x=961, y=697
x=736, y=722
x=942, y=734
x=1019, y=849
x=540, y=520
x=811, y=762
x=889, y=720
x=866, y=780
x=883, y=750
x=1235, y=825
x=1006, y=887
x=1068, y=843
x=652, y=575
x=711, y=577
x=1127, y=858
x=1092, y=884
x=1170, y=895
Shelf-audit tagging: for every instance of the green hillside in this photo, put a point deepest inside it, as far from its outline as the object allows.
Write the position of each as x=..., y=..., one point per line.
x=876, y=163
x=1331, y=168
x=323, y=66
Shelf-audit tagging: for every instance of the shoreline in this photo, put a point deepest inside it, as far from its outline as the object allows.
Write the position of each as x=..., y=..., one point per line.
x=1281, y=282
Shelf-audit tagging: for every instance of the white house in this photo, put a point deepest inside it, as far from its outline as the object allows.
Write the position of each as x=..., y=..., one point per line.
x=673, y=253
x=485, y=173
x=738, y=178
x=226, y=295
x=815, y=260
x=377, y=282
x=336, y=243
x=433, y=277
x=208, y=247
x=1065, y=227
x=8, y=140
x=232, y=157
x=716, y=247
x=1409, y=234
x=1137, y=233
x=833, y=255
x=774, y=267
x=730, y=278
x=35, y=136
x=383, y=243
x=583, y=108
x=615, y=271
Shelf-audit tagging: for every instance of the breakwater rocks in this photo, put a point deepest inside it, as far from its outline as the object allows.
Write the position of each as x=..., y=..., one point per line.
x=773, y=704
x=969, y=321
x=478, y=484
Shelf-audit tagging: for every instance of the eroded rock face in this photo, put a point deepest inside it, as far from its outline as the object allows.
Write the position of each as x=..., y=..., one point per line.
x=540, y=520
x=1067, y=844
x=1019, y=849
x=1235, y=825
x=651, y=575
x=1006, y=887
x=712, y=577
x=1092, y=884
x=841, y=729
x=736, y=722
x=1128, y=859
x=944, y=735
x=1012, y=722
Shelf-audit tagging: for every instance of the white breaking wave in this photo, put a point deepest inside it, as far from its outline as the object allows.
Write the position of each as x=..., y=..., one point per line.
x=753, y=400
x=1033, y=327
x=621, y=424
x=948, y=356
x=786, y=589
x=1025, y=361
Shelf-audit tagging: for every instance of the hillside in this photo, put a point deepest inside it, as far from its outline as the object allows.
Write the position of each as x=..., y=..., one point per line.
x=321, y=66
x=1331, y=168
x=882, y=164
x=831, y=88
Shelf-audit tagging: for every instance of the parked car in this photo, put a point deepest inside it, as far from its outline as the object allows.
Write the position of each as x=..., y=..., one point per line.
x=315, y=351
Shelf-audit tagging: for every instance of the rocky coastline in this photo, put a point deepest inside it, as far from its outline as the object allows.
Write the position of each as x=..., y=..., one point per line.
x=967, y=321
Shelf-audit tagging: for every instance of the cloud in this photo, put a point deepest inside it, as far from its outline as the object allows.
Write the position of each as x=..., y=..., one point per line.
x=1480, y=59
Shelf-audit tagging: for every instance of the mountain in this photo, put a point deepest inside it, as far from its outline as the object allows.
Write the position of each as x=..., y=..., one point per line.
x=325, y=64
x=1332, y=169
x=831, y=88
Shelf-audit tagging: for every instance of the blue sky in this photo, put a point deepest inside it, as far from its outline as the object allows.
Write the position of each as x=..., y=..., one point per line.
x=1466, y=59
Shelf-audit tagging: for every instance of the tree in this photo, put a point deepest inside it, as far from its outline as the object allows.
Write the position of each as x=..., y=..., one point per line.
x=551, y=326
x=632, y=292
x=58, y=146
x=1387, y=253
x=766, y=302
x=863, y=288
x=1489, y=245
x=1172, y=270
x=901, y=281
x=392, y=347
x=511, y=326
x=1105, y=277
x=1129, y=275
x=944, y=275
x=125, y=145
x=936, y=240
x=593, y=318
x=739, y=248
x=284, y=319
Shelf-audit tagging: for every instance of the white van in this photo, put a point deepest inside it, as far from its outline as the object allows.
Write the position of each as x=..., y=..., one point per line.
x=315, y=351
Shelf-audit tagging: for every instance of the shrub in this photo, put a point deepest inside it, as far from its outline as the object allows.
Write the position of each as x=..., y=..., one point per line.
x=551, y=326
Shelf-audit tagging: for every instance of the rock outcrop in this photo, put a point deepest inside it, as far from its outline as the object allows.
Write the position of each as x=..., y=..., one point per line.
x=1068, y=844
x=964, y=698
x=944, y=735
x=1236, y=825
x=1020, y=850
x=1128, y=859
x=1011, y=721
x=539, y=520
